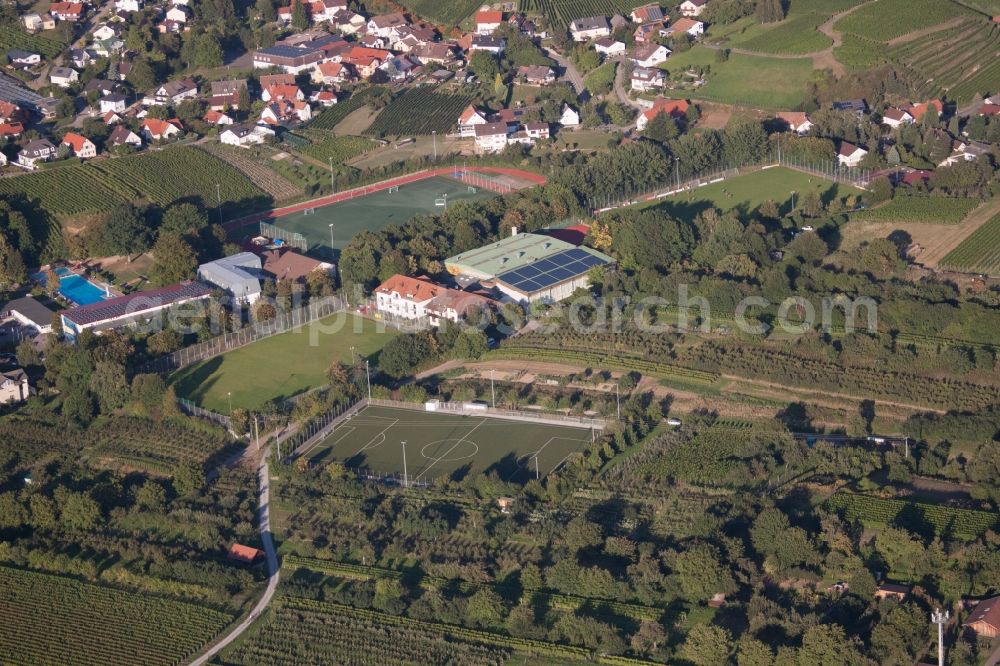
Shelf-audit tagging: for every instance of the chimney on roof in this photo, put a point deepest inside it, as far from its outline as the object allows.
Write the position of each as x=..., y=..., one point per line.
x=513, y=231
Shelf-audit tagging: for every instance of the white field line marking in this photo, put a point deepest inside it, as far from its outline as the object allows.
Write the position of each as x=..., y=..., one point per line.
x=461, y=439
x=371, y=441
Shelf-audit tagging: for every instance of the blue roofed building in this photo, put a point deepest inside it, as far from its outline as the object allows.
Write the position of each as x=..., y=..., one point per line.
x=238, y=275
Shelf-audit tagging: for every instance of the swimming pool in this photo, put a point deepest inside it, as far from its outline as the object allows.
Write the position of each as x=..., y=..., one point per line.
x=75, y=288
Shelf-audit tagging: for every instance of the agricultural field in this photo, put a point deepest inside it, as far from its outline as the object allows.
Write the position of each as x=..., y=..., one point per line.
x=280, y=366
x=65, y=190
x=158, y=448
x=856, y=53
x=887, y=19
x=795, y=35
x=331, y=116
x=963, y=523
x=255, y=166
x=447, y=12
x=54, y=620
x=979, y=253
x=339, y=149
x=13, y=37
x=921, y=210
x=419, y=111
x=753, y=189
x=562, y=12
x=442, y=445
x=751, y=80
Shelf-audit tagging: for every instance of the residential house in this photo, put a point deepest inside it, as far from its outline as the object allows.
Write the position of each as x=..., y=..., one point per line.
x=439, y=53
x=592, y=27
x=570, y=117
x=14, y=386
x=796, y=121
x=105, y=32
x=178, y=14
x=489, y=43
x=21, y=58
x=113, y=103
x=692, y=7
x=648, y=32
x=647, y=14
x=323, y=11
x=80, y=145
x=67, y=11
x=966, y=152
x=245, y=135
x=895, y=117
x=347, y=22
x=918, y=110
x=32, y=22
x=686, y=25
x=11, y=112
x=850, y=155
x=491, y=137
x=10, y=131
x=123, y=136
x=155, y=129
x=676, y=108
x=644, y=79
x=984, y=619
x=537, y=130
x=239, y=275
x=488, y=21
x=988, y=110
x=80, y=58
x=373, y=42
x=333, y=73
x=287, y=264
x=386, y=25
x=30, y=314
x=63, y=77
x=213, y=117
x=537, y=75
x=112, y=118
x=649, y=55
x=170, y=26
x=103, y=87
x=286, y=112
x=119, y=70
x=173, y=92
x=858, y=106
x=279, y=92
x=128, y=5
x=470, y=118
x=226, y=94
x=607, y=46
x=324, y=98
x=129, y=310
x=417, y=298
x=34, y=152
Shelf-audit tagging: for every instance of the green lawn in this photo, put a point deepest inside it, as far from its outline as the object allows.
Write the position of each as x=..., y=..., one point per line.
x=280, y=366
x=758, y=81
x=750, y=191
x=447, y=444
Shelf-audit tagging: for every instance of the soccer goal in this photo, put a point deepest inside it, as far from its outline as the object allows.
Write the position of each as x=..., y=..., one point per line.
x=472, y=190
x=441, y=202
x=309, y=211
x=393, y=189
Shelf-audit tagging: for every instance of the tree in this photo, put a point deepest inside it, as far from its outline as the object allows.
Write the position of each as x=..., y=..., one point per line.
x=26, y=353
x=751, y=652
x=470, y=344
x=828, y=645
x=707, y=645
x=648, y=638
x=769, y=11
x=174, y=260
x=485, y=609
x=142, y=76
x=484, y=66
x=109, y=385
x=403, y=353
x=661, y=128
x=77, y=511
x=744, y=141
x=151, y=496
x=300, y=19
x=701, y=574
x=12, y=270
x=265, y=8
x=264, y=311
x=881, y=190
x=125, y=231
x=188, y=479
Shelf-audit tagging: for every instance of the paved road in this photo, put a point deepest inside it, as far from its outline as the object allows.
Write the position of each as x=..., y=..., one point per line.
x=570, y=73
x=620, y=86
x=264, y=516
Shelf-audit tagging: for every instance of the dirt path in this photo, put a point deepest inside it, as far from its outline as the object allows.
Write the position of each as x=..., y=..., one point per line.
x=953, y=234
x=799, y=391
x=917, y=34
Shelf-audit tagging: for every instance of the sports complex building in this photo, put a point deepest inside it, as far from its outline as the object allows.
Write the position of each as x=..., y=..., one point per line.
x=528, y=267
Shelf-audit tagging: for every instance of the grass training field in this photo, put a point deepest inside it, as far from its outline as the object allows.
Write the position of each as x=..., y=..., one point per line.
x=375, y=211
x=280, y=366
x=751, y=190
x=759, y=81
x=440, y=444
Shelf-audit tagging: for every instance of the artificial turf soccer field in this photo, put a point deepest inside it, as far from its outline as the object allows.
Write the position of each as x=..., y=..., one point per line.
x=375, y=211
x=447, y=445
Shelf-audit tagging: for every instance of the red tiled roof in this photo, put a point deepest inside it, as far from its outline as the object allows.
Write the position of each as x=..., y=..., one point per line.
x=243, y=553
x=489, y=17
x=410, y=288
x=675, y=107
x=75, y=141
x=987, y=611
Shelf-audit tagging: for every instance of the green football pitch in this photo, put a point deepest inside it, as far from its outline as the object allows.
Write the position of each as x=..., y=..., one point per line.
x=372, y=212
x=447, y=445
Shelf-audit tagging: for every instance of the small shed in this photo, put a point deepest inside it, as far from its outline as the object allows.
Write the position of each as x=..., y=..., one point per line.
x=892, y=591
x=505, y=504
x=244, y=554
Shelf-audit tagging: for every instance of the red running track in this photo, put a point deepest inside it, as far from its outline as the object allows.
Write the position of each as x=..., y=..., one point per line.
x=275, y=213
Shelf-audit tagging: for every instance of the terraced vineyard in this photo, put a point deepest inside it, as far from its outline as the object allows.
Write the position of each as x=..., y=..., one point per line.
x=930, y=210
x=36, y=438
x=561, y=12
x=158, y=448
x=13, y=37
x=448, y=12
x=54, y=620
x=795, y=35
x=869, y=510
x=959, y=61
x=68, y=190
x=331, y=116
x=887, y=19
x=337, y=148
x=253, y=167
x=419, y=111
x=980, y=252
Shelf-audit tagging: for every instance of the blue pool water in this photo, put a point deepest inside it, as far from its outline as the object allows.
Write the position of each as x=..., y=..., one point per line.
x=75, y=288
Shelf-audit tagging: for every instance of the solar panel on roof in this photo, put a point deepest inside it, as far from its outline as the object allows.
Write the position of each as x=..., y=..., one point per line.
x=575, y=253
x=529, y=285
x=545, y=264
x=591, y=260
x=561, y=273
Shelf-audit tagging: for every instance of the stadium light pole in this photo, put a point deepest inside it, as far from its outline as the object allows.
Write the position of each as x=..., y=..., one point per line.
x=434, y=134
x=677, y=171
x=331, y=236
x=405, y=482
x=618, y=402
x=354, y=360
x=218, y=200
x=230, y=394
x=492, y=390
x=333, y=190
x=939, y=618
x=368, y=376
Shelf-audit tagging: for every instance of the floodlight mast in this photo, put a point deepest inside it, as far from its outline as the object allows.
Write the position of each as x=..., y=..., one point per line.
x=939, y=618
